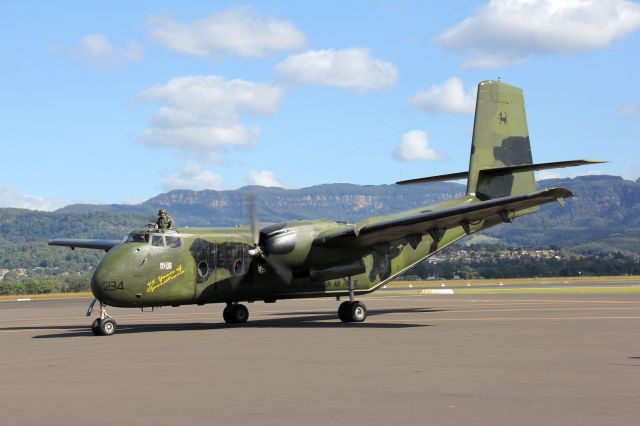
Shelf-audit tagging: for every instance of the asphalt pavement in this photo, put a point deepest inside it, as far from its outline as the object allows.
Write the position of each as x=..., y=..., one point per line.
x=423, y=359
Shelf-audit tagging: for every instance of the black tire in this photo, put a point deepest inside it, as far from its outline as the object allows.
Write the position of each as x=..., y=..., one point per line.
x=226, y=314
x=343, y=311
x=95, y=327
x=239, y=314
x=108, y=326
x=357, y=312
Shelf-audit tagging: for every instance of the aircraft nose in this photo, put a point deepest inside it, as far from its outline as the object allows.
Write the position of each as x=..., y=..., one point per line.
x=97, y=278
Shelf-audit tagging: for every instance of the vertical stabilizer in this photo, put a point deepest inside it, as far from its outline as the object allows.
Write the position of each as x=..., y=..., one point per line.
x=500, y=139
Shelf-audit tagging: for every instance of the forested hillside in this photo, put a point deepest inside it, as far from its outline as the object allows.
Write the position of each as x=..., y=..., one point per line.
x=604, y=216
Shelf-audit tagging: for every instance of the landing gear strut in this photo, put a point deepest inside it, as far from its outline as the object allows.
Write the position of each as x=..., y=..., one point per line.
x=235, y=313
x=105, y=325
x=352, y=311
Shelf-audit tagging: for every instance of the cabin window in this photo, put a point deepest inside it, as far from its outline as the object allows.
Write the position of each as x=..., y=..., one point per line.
x=138, y=238
x=238, y=267
x=203, y=269
x=172, y=242
x=157, y=240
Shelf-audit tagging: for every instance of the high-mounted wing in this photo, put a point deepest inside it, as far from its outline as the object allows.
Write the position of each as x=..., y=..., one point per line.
x=367, y=233
x=105, y=245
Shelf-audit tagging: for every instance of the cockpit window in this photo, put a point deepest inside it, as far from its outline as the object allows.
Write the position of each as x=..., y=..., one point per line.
x=172, y=241
x=157, y=240
x=138, y=238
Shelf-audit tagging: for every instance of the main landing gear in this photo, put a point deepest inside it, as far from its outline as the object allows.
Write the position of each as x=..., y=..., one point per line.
x=352, y=310
x=105, y=325
x=235, y=313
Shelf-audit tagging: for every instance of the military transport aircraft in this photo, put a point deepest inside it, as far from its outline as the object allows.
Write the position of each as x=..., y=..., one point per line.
x=321, y=258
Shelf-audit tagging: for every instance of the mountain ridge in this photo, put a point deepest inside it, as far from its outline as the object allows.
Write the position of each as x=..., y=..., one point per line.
x=604, y=214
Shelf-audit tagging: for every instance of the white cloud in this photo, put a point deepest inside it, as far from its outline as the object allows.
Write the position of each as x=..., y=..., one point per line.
x=447, y=98
x=507, y=32
x=263, y=178
x=353, y=68
x=133, y=52
x=547, y=174
x=589, y=173
x=193, y=177
x=95, y=46
x=132, y=200
x=97, y=50
x=629, y=110
x=414, y=146
x=238, y=31
x=11, y=197
x=202, y=115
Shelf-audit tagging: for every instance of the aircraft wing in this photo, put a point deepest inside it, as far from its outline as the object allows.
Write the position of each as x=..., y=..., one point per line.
x=387, y=229
x=105, y=245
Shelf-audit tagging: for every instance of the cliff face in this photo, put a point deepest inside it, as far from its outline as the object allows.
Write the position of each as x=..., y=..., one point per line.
x=338, y=201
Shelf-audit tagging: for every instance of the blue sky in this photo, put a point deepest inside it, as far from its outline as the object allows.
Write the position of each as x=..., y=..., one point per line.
x=111, y=102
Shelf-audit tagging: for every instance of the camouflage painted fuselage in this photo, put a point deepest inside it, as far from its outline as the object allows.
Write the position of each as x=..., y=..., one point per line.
x=212, y=265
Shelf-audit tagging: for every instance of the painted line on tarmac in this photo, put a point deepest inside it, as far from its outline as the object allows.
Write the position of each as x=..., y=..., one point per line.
x=434, y=320
x=500, y=301
x=374, y=321
x=549, y=309
x=264, y=313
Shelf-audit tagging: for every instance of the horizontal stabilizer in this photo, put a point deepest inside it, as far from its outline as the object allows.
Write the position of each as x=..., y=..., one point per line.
x=439, y=178
x=105, y=245
x=503, y=171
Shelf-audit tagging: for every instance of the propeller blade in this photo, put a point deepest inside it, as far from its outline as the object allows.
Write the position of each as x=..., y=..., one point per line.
x=255, y=232
x=282, y=271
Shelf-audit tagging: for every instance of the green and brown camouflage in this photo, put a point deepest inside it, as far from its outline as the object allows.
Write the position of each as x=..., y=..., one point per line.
x=500, y=139
x=298, y=259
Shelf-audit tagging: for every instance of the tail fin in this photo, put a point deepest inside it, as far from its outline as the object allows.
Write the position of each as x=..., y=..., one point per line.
x=500, y=140
x=500, y=163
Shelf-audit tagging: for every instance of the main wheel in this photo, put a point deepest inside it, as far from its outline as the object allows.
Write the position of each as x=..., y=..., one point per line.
x=95, y=327
x=108, y=326
x=239, y=314
x=343, y=311
x=357, y=312
x=226, y=314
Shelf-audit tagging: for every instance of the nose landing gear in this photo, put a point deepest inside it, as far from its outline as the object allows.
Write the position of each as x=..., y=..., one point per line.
x=105, y=325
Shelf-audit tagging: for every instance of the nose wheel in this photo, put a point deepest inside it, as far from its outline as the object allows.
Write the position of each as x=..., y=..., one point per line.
x=103, y=326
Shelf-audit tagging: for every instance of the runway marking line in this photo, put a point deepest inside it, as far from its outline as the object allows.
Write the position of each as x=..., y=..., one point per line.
x=381, y=321
x=516, y=319
x=376, y=320
x=177, y=316
x=513, y=299
x=460, y=307
x=300, y=312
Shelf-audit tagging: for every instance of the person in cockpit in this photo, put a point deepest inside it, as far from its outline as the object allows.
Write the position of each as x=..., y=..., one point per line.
x=164, y=220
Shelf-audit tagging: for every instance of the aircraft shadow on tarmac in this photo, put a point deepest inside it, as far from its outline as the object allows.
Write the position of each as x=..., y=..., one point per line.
x=309, y=320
